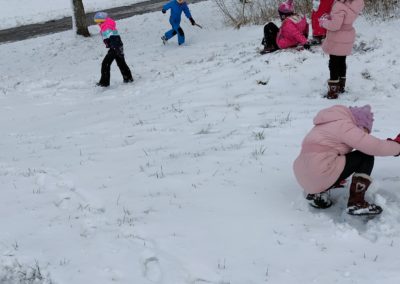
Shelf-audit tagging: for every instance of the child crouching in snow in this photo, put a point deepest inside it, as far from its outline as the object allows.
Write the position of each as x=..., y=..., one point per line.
x=113, y=41
x=177, y=7
x=293, y=31
x=327, y=157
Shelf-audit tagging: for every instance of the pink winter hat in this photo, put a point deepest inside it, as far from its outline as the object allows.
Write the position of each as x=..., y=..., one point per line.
x=286, y=7
x=363, y=116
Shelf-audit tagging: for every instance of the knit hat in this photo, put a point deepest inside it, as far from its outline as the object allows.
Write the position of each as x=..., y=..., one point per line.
x=363, y=116
x=100, y=17
x=286, y=7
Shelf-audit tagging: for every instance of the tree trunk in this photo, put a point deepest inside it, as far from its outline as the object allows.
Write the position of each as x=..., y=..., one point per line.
x=79, y=18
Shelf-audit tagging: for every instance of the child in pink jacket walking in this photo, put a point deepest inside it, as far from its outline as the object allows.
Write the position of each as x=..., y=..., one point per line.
x=339, y=41
x=327, y=157
x=113, y=42
x=293, y=31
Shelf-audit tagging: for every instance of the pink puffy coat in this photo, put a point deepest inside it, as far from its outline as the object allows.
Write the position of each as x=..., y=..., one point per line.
x=108, y=28
x=341, y=34
x=322, y=157
x=294, y=31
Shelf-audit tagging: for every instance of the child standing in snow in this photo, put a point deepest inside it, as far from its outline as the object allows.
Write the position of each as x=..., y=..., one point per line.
x=327, y=157
x=320, y=8
x=339, y=41
x=293, y=31
x=177, y=7
x=113, y=41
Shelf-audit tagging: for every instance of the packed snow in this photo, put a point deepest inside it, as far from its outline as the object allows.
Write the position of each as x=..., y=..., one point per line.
x=185, y=176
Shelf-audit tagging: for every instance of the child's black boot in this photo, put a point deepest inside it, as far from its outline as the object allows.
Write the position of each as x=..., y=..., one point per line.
x=319, y=200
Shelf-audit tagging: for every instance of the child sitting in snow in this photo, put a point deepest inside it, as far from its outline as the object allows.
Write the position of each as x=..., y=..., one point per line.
x=327, y=157
x=113, y=41
x=293, y=31
x=176, y=6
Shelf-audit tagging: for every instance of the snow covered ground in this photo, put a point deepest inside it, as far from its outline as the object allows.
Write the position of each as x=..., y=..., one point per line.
x=36, y=11
x=185, y=176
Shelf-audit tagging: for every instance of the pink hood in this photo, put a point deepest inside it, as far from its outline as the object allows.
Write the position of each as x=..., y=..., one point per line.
x=341, y=34
x=108, y=24
x=332, y=114
x=355, y=6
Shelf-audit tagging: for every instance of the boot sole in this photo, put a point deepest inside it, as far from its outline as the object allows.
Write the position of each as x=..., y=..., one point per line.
x=319, y=207
x=365, y=213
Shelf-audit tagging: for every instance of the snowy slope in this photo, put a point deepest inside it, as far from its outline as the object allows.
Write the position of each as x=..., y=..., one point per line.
x=185, y=176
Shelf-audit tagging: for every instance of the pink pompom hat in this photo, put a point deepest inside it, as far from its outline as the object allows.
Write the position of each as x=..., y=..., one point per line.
x=363, y=116
x=286, y=7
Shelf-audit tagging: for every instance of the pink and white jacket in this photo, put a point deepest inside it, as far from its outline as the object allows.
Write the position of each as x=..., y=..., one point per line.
x=294, y=31
x=322, y=157
x=340, y=35
x=109, y=33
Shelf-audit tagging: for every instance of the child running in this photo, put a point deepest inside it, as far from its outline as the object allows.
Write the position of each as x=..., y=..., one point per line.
x=177, y=7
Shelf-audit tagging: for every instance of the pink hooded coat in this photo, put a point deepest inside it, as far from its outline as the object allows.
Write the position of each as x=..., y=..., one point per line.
x=341, y=34
x=294, y=31
x=322, y=157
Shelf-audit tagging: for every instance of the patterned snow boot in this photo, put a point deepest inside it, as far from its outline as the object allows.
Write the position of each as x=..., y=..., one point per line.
x=333, y=89
x=342, y=84
x=319, y=200
x=357, y=204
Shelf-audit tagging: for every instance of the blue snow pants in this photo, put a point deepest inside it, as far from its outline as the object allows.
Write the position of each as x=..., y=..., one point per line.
x=176, y=29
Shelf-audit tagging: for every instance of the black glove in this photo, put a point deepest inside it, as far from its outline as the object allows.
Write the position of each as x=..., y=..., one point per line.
x=163, y=11
x=192, y=21
x=119, y=51
x=107, y=42
x=306, y=45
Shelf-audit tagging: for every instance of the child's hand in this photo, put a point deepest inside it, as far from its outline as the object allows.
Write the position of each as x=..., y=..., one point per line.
x=322, y=22
x=323, y=19
x=163, y=11
x=192, y=21
x=326, y=16
x=107, y=42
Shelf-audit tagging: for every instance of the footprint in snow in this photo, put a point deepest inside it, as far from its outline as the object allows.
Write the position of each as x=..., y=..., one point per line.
x=151, y=269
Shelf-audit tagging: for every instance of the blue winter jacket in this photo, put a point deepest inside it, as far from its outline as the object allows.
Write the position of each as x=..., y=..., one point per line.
x=176, y=11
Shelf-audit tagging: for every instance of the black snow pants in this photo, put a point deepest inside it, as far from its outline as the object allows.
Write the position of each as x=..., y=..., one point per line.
x=337, y=67
x=356, y=162
x=270, y=32
x=116, y=54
